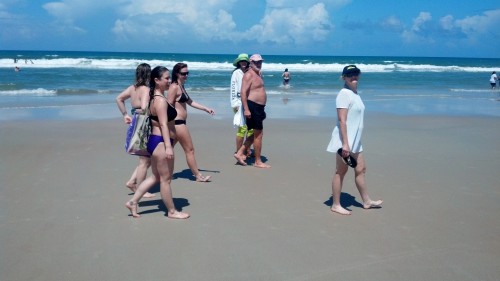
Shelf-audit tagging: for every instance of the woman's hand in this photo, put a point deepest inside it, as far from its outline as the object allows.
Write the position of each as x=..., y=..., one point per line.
x=210, y=111
x=127, y=119
x=345, y=150
x=169, y=151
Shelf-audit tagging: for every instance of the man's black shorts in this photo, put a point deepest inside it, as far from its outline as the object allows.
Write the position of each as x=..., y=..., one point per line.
x=257, y=115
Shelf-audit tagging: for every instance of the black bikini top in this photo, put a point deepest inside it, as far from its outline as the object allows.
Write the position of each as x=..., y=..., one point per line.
x=171, y=112
x=184, y=97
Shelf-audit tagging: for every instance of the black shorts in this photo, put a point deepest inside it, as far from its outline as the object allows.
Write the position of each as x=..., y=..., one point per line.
x=257, y=115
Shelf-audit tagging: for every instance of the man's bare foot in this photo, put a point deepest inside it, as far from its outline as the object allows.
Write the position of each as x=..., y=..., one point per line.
x=202, y=178
x=240, y=159
x=177, y=215
x=340, y=210
x=132, y=206
x=261, y=165
x=373, y=204
x=131, y=185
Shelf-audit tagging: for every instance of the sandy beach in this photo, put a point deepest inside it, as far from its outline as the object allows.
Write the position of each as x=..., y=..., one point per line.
x=63, y=193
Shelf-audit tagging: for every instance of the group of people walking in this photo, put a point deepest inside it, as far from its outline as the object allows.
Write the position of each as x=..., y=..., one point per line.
x=164, y=94
x=168, y=114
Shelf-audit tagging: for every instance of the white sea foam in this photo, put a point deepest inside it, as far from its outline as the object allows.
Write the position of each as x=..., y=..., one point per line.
x=471, y=90
x=87, y=63
x=221, y=88
x=54, y=106
x=29, y=92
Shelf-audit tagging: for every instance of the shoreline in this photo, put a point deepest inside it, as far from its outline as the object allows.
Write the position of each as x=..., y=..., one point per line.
x=278, y=107
x=63, y=197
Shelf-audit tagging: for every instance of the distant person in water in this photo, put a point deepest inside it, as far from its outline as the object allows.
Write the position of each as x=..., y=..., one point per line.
x=17, y=69
x=286, y=77
x=493, y=80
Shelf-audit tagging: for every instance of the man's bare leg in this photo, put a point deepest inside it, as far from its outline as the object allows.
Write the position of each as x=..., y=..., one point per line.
x=257, y=145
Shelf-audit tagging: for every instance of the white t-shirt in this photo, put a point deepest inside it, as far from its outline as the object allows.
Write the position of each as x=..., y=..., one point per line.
x=355, y=114
x=493, y=78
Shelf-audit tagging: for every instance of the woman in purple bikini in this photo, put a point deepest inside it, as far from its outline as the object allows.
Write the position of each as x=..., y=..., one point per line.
x=160, y=146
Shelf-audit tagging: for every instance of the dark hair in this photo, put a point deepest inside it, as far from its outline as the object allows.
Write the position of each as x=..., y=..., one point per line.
x=238, y=66
x=142, y=75
x=156, y=73
x=175, y=71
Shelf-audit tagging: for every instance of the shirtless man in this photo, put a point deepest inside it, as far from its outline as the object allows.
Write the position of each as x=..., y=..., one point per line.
x=253, y=98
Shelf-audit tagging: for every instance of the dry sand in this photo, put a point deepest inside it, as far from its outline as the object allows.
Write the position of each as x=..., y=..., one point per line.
x=63, y=216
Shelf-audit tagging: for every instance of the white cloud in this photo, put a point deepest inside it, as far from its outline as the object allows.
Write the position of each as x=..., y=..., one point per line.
x=420, y=22
x=419, y=30
x=205, y=19
x=275, y=4
x=68, y=10
x=291, y=21
x=293, y=25
x=480, y=24
x=448, y=28
x=447, y=23
x=392, y=23
x=71, y=11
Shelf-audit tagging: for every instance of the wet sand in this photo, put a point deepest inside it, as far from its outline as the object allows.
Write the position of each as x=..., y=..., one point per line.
x=63, y=193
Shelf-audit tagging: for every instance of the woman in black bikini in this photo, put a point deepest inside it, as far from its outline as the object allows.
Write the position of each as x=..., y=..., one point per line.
x=162, y=152
x=177, y=95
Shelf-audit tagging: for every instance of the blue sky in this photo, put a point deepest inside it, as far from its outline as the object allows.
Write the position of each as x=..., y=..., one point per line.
x=460, y=28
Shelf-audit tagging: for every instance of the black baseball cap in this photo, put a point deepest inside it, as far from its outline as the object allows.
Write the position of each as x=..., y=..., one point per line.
x=351, y=70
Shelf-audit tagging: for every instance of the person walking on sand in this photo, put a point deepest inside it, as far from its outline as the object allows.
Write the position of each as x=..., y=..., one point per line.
x=139, y=99
x=241, y=63
x=178, y=96
x=160, y=146
x=253, y=98
x=493, y=80
x=346, y=140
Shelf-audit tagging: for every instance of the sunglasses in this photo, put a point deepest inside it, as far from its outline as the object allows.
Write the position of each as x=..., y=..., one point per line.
x=184, y=73
x=351, y=75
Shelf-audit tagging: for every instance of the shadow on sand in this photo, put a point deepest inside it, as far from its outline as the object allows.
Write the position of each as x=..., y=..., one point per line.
x=346, y=200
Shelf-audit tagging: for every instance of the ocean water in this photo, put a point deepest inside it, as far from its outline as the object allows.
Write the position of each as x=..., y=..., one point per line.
x=83, y=85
